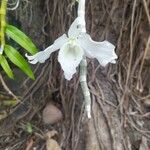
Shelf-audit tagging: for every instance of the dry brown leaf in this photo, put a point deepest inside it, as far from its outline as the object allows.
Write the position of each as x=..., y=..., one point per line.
x=30, y=144
x=51, y=144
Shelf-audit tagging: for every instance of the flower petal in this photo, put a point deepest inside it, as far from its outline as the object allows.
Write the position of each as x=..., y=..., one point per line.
x=69, y=58
x=102, y=51
x=76, y=27
x=44, y=55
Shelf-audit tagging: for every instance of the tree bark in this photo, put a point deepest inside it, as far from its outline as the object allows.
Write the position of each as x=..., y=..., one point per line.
x=120, y=118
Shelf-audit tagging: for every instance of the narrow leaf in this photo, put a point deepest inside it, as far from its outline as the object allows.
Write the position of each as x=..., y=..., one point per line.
x=18, y=60
x=10, y=102
x=6, y=67
x=21, y=39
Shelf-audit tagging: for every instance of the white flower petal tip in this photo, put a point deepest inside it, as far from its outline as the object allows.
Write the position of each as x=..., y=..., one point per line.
x=108, y=54
x=29, y=57
x=113, y=61
x=33, y=61
x=38, y=57
x=69, y=76
x=69, y=58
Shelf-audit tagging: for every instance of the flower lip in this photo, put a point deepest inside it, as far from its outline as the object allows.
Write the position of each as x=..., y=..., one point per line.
x=69, y=58
x=72, y=41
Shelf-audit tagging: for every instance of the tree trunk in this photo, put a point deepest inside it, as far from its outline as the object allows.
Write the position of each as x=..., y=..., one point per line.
x=120, y=92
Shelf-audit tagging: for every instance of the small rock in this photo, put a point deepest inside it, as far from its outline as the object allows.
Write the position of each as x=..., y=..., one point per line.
x=51, y=114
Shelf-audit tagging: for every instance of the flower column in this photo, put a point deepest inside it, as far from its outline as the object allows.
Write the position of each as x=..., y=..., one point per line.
x=83, y=64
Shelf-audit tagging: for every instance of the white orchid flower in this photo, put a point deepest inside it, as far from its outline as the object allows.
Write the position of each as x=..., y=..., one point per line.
x=73, y=47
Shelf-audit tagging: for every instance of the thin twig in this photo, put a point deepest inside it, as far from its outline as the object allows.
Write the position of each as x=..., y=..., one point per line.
x=14, y=7
x=7, y=88
x=142, y=63
x=146, y=10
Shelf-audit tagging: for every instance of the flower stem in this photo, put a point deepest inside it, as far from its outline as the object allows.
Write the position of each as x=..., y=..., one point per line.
x=81, y=9
x=83, y=65
x=84, y=86
x=2, y=23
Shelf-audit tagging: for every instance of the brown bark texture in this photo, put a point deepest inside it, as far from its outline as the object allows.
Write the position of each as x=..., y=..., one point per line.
x=120, y=93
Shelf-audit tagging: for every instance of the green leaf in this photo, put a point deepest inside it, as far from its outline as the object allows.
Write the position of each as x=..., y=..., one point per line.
x=10, y=102
x=21, y=39
x=6, y=67
x=29, y=128
x=18, y=60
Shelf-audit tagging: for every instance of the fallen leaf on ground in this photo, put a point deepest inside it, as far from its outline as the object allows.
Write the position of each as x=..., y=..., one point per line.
x=29, y=144
x=51, y=144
